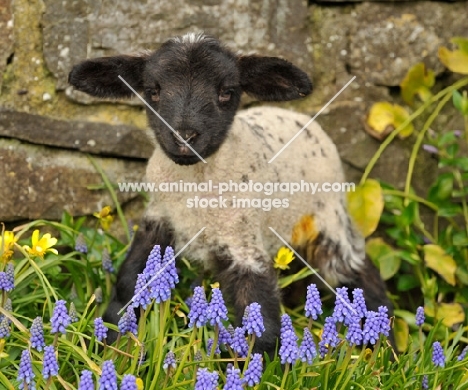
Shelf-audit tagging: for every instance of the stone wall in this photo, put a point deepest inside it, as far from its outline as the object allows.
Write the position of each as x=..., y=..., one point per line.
x=47, y=130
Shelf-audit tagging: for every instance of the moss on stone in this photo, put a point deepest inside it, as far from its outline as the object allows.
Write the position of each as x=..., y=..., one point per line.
x=27, y=79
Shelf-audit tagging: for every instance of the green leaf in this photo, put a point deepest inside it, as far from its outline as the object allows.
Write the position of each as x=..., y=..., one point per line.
x=287, y=280
x=460, y=239
x=407, y=282
x=457, y=60
x=410, y=214
x=447, y=209
x=442, y=188
x=446, y=138
x=365, y=206
x=410, y=257
x=439, y=261
x=460, y=102
x=384, y=256
x=418, y=81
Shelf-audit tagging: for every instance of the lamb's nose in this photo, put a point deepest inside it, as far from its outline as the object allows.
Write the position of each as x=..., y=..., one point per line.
x=188, y=137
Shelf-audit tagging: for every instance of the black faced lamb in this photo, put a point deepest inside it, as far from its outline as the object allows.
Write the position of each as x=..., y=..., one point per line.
x=195, y=83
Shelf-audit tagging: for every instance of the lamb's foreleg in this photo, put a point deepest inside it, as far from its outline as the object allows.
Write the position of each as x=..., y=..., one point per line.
x=244, y=285
x=149, y=234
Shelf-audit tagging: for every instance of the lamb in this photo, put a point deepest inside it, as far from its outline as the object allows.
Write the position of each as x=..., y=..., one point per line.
x=195, y=83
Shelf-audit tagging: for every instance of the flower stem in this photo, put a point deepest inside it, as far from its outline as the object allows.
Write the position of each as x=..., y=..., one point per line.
x=344, y=366
x=186, y=352
x=447, y=91
x=285, y=376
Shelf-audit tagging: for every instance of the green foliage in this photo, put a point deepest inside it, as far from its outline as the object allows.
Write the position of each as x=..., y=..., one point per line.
x=75, y=276
x=425, y=250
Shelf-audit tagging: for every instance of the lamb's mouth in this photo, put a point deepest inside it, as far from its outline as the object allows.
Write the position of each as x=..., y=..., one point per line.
x=185, y=159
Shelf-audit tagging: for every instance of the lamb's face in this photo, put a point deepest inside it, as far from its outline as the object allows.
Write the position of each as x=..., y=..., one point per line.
x=194, y=83
x=195, y=87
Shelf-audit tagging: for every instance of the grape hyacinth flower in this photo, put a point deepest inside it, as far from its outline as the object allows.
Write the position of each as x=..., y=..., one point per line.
x=463, y=354
x=329, y=336
x=98, y=295
x=128, y=322
x=198, y=357
x=307, y=350
x=354, y=334
x=313, y=305
x=80, y=244
x=128, y=383
x=239, y=343
x=107, y=265
x=206, y=380
x=209, y=347
x=371, y=331
x=4, y=328
x=233, y=380
x=37, y=334
x=253, y=322
x=168, y=261
x=153, y=264
x=108, y=380
x=286, y=324
x=288, y=351
x=343, y=309
x=224, y=336
x=86, y=381
x=420, y=318
x=25, y=372
x=7, y=306
x=359, y=303
x=141, y=295
x=72, y=313
x=60, y=318
x=100, y=330
x=198, y=310
x=438, y=357
x=50, y=367
x=156, y=276
x=7, y=279
x=253, y=373
x=169, y=361
x=217, y=311
x=384, y=321
x=425, y=382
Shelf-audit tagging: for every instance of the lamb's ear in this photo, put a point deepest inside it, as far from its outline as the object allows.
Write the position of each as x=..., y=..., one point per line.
x=99, y=76
x=272, y=78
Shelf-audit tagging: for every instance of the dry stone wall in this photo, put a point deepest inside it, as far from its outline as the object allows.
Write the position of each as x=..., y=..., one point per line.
x=47, y=130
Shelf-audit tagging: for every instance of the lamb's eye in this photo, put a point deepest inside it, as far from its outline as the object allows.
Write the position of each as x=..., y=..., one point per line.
x=225, y=96
x=153, y=93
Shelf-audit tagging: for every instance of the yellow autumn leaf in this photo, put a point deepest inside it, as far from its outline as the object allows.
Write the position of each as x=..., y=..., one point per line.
x=385, y=117
x=441, y=262
x=365, y=205
x=417, y=81
x=449, y=313
x=401, y=333
x=456, y=60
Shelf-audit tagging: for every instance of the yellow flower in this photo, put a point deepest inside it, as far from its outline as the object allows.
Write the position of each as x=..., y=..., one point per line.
x=7, y=240
x=283, y=258
x=105, y=217
x=41, y=246
x=139, y=383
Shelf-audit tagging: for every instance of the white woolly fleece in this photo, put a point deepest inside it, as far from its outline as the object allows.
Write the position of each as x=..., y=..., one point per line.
x=257, y=134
